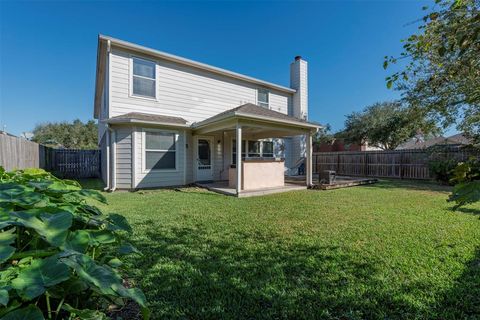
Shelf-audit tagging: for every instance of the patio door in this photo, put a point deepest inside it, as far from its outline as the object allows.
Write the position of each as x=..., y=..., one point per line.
x=204, y=161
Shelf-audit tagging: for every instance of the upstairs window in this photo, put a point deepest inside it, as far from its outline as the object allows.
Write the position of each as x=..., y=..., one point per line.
x=143, y=82
x=160, y=150
x=262, y=98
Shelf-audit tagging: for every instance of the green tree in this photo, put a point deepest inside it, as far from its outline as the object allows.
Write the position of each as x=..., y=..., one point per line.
x=76, y=135
x=440, y=65
x=324, y=135
x=386, y=125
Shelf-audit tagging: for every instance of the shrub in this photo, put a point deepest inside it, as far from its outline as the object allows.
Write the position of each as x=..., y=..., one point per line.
x=467, y=178
x=442, y=170
x=60, y=256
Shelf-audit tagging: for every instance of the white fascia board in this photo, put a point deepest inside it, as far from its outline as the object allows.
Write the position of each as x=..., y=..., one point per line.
x=135, y=121
x=200, y=65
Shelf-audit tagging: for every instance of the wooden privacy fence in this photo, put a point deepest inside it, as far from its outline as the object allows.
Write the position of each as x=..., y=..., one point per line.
x=402, y=164
x=18, y=153
x=73, y=163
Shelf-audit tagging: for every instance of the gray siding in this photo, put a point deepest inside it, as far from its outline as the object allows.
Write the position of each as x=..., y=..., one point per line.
x=123, y=155
x=160, y=178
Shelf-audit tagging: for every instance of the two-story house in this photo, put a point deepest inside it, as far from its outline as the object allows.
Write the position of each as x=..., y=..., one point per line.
x=169, y=121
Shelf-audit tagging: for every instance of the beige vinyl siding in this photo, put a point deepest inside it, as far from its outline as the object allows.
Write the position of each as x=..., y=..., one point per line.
x=123, y=155
x=184, y=91
x=159, y=178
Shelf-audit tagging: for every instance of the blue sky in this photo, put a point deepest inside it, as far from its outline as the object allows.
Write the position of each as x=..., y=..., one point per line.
x=48, y=49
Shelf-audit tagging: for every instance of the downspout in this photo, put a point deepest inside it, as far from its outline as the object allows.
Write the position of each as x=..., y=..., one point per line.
x=114, y=158
x=107, y=145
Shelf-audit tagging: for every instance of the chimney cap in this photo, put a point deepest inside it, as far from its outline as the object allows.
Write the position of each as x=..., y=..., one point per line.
x=298, y=58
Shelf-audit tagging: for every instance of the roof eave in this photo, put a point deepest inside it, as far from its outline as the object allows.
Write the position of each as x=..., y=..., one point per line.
x=138, y=121
x=241, y=115
x=200, y=65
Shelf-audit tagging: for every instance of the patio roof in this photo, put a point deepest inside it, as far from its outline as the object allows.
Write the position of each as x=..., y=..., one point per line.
x=264, y=117
x=147, y=118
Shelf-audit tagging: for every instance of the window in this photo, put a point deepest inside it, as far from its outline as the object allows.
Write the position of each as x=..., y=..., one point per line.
x=160, y=150
x=143, y=81
x=256, y=149
x=267, y=149
x=234, y=150
x=262, y=98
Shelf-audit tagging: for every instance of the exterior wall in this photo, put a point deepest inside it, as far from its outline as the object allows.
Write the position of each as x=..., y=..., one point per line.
x=123, y=158
x=161, y=178
x=260, y=174
x=184, y=91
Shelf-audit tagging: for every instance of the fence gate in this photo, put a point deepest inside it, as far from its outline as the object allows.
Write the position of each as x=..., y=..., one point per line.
x=73, y=163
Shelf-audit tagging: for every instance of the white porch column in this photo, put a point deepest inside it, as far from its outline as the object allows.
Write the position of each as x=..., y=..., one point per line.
x=239, y=158
x=308, y=167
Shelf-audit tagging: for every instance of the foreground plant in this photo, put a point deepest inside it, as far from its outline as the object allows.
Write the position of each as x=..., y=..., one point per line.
x=467, y=179
x=60, y=256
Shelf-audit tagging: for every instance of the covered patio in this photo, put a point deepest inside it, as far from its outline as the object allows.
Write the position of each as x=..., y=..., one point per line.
x=257, y=174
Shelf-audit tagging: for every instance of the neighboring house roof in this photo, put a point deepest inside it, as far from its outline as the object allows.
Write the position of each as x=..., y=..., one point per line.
x=457, y=139
x=102, y=50
x=138, y=117
x=252, y=111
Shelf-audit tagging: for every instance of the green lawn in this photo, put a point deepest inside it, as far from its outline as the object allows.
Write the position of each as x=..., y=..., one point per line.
x=389, y=251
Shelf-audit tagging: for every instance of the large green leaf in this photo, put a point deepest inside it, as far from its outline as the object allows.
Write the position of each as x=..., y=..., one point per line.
x=80, y=240
x=33, y=280
x=51, y=227
x=103, y=278
x=6, y=238
x=31, y=312
x=4, y=297
x=25, y=200
x=93, y=194
x=118, y=222
x=85, y=314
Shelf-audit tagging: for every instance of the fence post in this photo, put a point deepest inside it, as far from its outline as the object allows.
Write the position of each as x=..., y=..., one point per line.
x=401, y=165
x=365, y=157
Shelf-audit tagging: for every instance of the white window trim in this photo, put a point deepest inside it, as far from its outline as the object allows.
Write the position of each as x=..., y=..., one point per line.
x=259, y=103
x=130, y=82
x=144, y=151
x=246, y=151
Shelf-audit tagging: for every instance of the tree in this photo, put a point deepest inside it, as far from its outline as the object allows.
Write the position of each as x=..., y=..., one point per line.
x=386, y=125
x=76, y=135
x=441, y=76
x=324, y=135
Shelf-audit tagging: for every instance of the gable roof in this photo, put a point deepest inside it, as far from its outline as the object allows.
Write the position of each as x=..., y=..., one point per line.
x=103, y=42
x=138, y=117
x=252, y=111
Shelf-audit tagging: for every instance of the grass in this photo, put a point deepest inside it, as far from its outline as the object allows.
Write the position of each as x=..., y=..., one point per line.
x=393, y=250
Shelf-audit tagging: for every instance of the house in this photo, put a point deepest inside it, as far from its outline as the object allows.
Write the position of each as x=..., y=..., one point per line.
x=166, y=121
x=419, y=142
